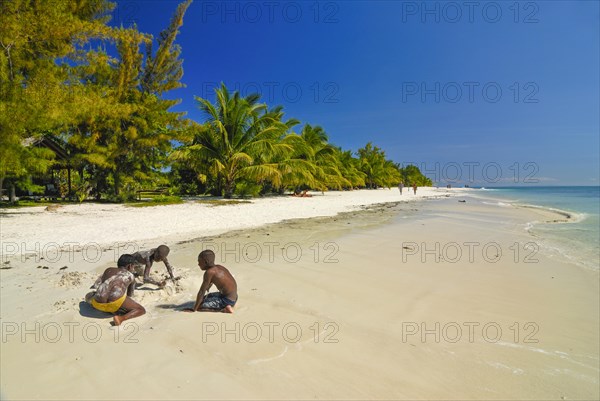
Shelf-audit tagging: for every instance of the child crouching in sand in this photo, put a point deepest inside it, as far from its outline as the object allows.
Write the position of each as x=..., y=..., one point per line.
x=225, y=299
x=147, y=258
x=114, y=290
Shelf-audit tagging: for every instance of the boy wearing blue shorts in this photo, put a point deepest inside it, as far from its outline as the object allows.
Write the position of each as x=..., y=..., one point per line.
x=221, y=301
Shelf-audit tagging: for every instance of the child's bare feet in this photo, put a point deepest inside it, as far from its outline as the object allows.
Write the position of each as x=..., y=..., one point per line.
x=227, y=309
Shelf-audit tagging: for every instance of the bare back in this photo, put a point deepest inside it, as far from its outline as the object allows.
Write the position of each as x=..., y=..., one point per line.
x=115, y=283
x=223, y=280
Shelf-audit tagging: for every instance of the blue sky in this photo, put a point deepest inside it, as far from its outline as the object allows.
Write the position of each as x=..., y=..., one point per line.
x=504, y=92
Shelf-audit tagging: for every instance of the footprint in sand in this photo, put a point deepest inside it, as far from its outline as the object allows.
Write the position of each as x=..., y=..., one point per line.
x=66, y=304
x=72, y=279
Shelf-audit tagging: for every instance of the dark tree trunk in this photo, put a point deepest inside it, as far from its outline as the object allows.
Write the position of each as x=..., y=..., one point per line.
x=228, y=193
x=99, y=188
x=70, y=190
x=117, y=180
x=13, y=196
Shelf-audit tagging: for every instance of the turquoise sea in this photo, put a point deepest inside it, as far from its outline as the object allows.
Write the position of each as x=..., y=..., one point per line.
x=578, y=240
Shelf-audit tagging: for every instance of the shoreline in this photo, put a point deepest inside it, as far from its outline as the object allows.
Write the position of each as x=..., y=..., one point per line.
x=29, y=224
x=68, y=227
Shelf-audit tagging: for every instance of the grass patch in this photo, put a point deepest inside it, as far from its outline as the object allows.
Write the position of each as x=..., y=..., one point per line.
x=152, y=200
x=219, y=202
x=157, y=201
x=33, y=203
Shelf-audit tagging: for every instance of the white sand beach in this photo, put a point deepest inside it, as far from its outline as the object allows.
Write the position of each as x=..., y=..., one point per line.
x=75, y=226
x=354, y=305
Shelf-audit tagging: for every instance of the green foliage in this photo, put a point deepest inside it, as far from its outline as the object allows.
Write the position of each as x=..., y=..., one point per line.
x=411, y=175
x=27, y=203
x=57, y=78
x=125, y=143
x=184, y=181
x=123, y=197
x=313, y=162
x=81, y=195
x=239, y=140
x=157, y=201
x=221, y=202
x=378, y=171
x=350, y=169
x=245, y=148
x=35, y=96
x=110, y=112
x=247, y=189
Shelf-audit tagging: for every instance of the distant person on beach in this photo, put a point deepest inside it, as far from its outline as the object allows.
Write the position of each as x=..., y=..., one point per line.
x=114, y=290
x=415, y=188
x=226, y=297
x=400, y=186
x=147, y=258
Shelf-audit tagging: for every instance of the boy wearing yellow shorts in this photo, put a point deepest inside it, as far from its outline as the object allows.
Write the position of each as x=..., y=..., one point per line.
x=114, y=290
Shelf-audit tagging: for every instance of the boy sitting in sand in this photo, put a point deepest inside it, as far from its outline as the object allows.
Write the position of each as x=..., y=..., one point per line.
x=114, y=290
x=225, y=299
x=147, y=258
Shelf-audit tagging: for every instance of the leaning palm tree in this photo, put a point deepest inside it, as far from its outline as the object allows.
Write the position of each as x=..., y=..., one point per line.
x=314, y=161
x=297, y=171
x=378, y=171
x=239, y=139
x=349, y=166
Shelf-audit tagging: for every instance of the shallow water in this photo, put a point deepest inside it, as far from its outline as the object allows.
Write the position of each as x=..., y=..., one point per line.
x=578, y=240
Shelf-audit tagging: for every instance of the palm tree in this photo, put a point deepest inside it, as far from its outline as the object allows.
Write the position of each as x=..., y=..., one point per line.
x=240, y=139
x=313, y=162
x=349, y=166
x=412, y=175
x=379, y=171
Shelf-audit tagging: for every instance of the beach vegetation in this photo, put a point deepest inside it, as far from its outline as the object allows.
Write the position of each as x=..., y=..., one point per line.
x=156, y=201
x=378, y=171
x=411, y=175
x=221, y=202
x=100, y=94
x=37, y=96
x=239, y=140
